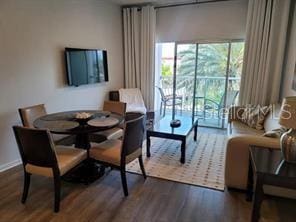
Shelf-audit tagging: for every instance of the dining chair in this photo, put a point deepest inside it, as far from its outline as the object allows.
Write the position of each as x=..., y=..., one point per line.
x=30, y=114
x=115, y=107
x=118, y=153
x=41, y=156
x=116, y=132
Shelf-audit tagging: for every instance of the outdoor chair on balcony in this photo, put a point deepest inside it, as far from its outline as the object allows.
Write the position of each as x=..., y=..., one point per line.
x=212, y=106
x=167, y=100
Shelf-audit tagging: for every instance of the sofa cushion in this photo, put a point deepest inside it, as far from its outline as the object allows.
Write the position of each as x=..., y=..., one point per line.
x=238, y=127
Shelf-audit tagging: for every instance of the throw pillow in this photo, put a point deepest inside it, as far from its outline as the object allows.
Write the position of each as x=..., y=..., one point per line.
x=254, y=116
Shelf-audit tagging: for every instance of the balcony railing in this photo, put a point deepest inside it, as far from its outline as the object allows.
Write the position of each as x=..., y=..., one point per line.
x=208, y=88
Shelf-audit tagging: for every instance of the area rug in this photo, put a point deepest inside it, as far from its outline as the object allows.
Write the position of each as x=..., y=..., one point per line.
x=204, y=166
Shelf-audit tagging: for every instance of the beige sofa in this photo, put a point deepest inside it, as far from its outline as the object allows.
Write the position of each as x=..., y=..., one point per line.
x=237, y=152
x=241, y=137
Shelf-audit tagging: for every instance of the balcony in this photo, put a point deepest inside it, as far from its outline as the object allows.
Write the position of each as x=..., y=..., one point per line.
x=207, y=101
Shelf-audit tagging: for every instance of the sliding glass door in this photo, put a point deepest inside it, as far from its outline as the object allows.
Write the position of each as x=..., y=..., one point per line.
x=207, y=78
x=212, y=62
x=185, y=77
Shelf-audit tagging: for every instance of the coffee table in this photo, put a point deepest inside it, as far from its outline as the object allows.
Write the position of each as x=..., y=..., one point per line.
x=162, y=129
x=268, y=167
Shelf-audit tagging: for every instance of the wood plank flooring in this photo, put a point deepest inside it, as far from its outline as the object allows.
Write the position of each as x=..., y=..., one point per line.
x=151, y=200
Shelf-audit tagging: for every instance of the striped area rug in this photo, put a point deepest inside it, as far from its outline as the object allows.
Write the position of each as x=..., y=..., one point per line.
x=204, y=166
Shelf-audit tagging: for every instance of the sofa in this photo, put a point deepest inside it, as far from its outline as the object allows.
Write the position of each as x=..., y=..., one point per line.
x=240, y=137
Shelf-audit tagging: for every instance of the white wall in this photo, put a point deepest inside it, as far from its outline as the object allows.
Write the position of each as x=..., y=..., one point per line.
x=210, y=21
x=33, y=36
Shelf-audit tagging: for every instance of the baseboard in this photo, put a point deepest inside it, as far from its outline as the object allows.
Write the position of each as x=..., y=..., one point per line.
x=12, y=164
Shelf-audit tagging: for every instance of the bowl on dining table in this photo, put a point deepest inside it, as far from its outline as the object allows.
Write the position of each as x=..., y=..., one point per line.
x=83, y=117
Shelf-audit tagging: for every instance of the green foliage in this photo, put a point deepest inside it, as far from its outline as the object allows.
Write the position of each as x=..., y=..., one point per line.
x=166, y=70
x=211, y=62
x=166, y=75
x=212, y=59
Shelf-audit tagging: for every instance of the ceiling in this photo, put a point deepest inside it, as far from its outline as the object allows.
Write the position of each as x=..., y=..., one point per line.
x=155, y=2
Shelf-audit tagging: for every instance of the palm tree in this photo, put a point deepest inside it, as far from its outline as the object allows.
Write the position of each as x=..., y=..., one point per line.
x=211, y=62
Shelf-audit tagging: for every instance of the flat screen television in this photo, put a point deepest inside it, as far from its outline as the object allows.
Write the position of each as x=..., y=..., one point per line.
x=86, y=66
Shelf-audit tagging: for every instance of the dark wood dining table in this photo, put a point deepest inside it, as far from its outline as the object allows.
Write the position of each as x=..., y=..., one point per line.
x=66, y=123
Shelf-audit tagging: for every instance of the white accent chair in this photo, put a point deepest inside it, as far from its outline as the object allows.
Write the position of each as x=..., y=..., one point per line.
x=133, y=99
x=134, y=103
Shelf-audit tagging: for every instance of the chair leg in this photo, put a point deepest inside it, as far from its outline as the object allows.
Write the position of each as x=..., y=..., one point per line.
x=57, y=193
x=27, y=178
x=142, y=166
x=123, y=180
x=160, y=108
x=164, y=108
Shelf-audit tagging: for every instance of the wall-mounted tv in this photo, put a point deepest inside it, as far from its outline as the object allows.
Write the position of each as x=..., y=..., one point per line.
x=86, y=66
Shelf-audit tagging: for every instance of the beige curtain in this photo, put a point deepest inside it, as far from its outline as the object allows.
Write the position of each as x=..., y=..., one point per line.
x=266, y=33
x=139, y=43
x=289, y=82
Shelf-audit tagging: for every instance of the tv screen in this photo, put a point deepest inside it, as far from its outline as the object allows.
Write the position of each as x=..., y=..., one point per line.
x=86, y=66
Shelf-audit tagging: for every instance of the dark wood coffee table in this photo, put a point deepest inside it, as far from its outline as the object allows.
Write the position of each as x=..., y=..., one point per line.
x=162, y=129
x=267, y=166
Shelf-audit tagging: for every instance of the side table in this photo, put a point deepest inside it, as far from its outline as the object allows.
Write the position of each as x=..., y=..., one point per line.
x=267, y=168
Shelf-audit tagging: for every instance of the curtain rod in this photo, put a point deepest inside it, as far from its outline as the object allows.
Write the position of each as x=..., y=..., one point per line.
x=189, y=3
x=175, y=5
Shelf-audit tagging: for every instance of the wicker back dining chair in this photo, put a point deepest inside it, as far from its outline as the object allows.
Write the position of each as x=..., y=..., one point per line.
x=118, y=153
x=40, y=156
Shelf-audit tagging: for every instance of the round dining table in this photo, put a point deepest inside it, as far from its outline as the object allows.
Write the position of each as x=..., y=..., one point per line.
x=67, y=123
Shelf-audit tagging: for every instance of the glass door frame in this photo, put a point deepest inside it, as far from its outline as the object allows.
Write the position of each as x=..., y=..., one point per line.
x=197, y=43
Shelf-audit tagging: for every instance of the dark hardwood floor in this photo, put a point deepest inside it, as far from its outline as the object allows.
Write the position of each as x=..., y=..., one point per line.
x=150, y=200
